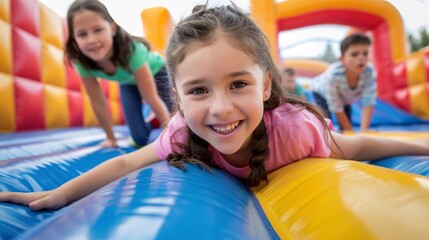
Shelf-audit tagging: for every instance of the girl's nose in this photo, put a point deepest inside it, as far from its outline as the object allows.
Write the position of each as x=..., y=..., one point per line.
x=221, y=106
x=91, y=38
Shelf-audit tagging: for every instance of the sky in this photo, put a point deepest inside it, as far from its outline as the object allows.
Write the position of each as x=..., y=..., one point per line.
x=304, y=42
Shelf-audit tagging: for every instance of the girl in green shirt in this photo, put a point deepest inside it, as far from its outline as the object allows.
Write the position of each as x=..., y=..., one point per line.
x=100, y=48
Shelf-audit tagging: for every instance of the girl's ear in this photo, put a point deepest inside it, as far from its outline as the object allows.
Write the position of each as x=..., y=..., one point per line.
x=114, y=28
x=268, y=81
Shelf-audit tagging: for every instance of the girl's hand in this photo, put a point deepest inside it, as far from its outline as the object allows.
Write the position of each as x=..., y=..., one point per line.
x=108, y=143
x=367, y=130
x=35, y=200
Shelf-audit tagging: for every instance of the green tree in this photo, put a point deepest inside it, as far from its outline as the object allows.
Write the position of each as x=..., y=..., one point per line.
x=328, y=55
x=420, y=41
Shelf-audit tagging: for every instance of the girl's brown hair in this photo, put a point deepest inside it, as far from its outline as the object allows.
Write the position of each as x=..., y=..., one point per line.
x=204, y=26
x=122, y=41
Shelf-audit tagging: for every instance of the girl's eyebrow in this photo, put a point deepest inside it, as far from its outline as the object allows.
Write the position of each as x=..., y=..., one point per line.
x=200, y=80
x=192, y=82
x=237, y=74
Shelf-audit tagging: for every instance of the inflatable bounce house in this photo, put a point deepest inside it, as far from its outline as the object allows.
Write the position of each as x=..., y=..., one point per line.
x=50, y=136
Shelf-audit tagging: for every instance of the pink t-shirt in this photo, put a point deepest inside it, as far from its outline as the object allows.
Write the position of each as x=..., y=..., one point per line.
x=293, y=134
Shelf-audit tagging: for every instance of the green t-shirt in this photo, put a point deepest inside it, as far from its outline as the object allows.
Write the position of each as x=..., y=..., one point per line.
x=140, y=56
x=299, y=90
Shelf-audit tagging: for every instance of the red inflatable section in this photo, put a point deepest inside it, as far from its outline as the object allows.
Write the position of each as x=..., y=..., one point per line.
x=38, y=90
x=366, y=22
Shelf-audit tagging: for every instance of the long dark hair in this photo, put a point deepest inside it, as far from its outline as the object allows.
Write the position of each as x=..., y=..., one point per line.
x=203, y=26
x=122, y=40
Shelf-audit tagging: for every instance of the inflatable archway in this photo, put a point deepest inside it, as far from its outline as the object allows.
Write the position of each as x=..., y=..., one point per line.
x=402, y=79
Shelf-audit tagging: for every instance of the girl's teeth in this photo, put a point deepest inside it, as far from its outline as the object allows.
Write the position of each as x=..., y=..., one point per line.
x=226, y=129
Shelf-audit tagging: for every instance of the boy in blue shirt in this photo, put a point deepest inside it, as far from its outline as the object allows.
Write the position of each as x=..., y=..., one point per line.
x=346, y=81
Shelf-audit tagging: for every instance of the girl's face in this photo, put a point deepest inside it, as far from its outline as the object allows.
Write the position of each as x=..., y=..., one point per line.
x=221, y=91
x=355, y=58
x=93, y=35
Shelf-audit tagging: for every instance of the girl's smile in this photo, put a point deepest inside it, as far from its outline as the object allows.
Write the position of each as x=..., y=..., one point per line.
x=225, y=128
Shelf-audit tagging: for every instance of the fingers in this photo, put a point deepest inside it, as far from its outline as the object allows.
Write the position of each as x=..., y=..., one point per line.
x=40, y=204
x=108, y=143
x=35, y=200
x=5, y=197
x=36, y=205
x=50, y=201
x=19, y=198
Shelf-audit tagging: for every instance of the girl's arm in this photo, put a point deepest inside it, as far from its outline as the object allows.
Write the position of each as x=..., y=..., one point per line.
x=147, y=88
x=86, y=183
x=367, y=148
x=344, y=121
x=99, y=105
x=366, y=117
x=368, y=101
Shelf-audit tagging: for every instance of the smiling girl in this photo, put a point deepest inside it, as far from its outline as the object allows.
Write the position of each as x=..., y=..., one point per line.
x=100, y=48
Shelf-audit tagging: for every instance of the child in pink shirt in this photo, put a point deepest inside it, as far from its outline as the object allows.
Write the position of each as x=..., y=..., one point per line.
x=232, y=114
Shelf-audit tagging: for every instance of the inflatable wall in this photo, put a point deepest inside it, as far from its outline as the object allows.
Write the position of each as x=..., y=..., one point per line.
x=37, y=89
x=403, y=80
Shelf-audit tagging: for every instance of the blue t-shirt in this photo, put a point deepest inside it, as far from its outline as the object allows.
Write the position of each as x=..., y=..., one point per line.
x=140, y=56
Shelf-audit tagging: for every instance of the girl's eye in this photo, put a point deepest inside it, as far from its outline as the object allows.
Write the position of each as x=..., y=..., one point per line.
x=198, y=91
x=236, y=85
x=355, y=54
x=80, y=35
